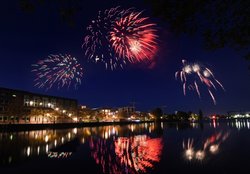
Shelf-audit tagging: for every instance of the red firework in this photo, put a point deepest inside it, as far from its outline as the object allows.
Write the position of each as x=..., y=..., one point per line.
x=133, y=37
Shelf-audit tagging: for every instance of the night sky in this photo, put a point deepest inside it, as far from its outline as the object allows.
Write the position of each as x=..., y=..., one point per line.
x=28, y=37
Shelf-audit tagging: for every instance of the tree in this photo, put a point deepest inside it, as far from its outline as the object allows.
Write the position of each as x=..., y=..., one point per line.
x=220, y=23
x=200, y=116
x=67, y=9
x=157, y=113
x=171, y=117
x=183, y=116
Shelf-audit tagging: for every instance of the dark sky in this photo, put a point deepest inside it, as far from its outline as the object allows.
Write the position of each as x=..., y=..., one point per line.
x=28, y=37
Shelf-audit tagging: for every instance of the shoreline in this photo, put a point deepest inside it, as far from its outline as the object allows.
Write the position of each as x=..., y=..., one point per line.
x=28, y=127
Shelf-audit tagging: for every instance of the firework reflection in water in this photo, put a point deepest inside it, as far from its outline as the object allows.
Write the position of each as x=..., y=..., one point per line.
x=132, y=154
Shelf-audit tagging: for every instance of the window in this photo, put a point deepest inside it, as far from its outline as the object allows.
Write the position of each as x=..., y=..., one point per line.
x=26, y=100
x=45, y=101
x=36, y=101
x=53, y=103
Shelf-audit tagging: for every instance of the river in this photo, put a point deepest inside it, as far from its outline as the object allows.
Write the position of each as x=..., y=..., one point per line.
x=211, y=147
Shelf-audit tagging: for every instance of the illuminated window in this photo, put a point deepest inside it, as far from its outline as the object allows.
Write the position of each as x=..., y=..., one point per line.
x=31, y=103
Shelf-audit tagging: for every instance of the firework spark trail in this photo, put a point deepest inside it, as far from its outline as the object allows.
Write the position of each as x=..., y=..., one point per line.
x=60, y=70
x=212, y=96
x=194, y=75
x=197, y=89
x=118, y=37
x=184, y=88
x=220, y=84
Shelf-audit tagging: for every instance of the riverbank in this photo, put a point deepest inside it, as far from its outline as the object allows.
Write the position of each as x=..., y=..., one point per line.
x=27, y=127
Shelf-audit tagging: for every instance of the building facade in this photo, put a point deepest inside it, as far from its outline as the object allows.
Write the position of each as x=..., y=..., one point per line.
x=18, y=106
x=126, y=112
x=239, y=114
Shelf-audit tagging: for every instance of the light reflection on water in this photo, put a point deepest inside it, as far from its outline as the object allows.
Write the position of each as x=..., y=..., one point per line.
x=21, y=145
x=18, y=146
x=208, y=146
x=134, y=148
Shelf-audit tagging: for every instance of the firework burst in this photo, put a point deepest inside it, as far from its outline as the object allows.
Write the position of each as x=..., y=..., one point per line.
x=117, y=37
x=134, y=38
x=57, y=70
x=194, y=75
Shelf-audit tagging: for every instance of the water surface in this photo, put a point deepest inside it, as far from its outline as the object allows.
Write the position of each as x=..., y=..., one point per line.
x=213, y=147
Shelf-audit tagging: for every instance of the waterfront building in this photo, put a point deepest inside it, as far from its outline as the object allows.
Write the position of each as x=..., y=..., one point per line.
x=17, y=106
x=86, y=114
x=126, y=112
x=107, y=114
x=239, y=114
